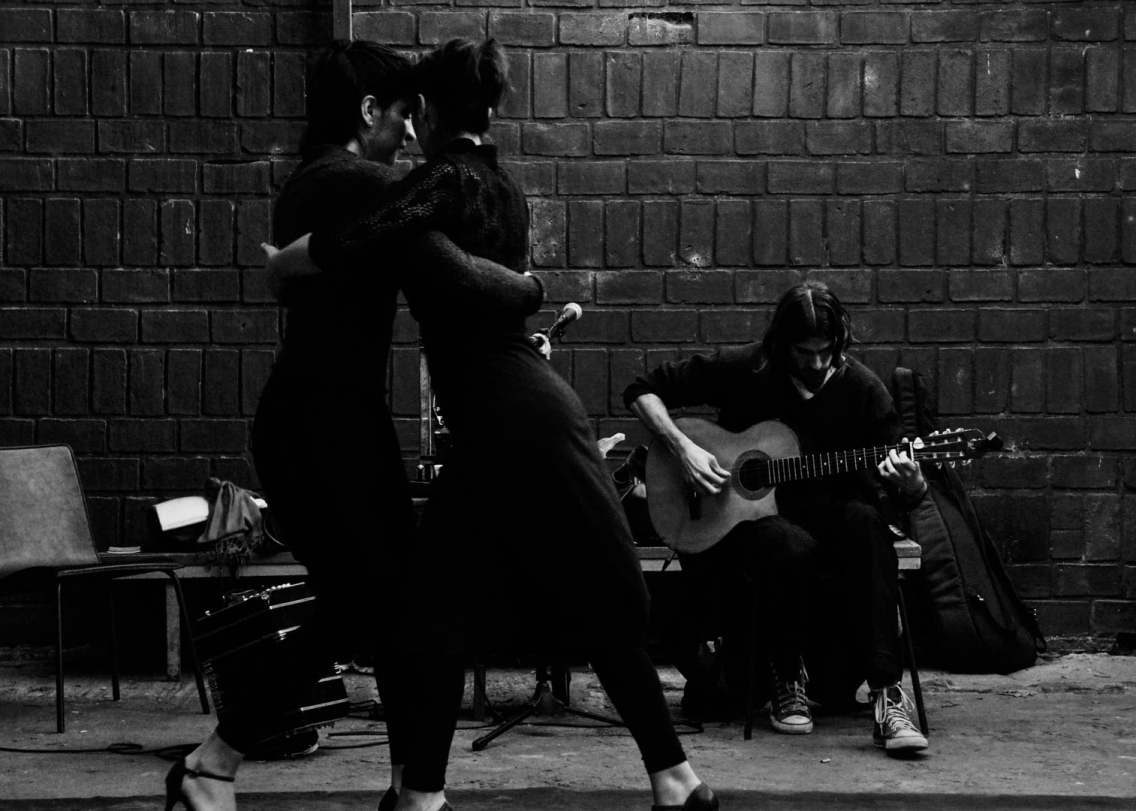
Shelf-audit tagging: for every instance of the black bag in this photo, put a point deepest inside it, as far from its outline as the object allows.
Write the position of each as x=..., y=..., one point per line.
x=966, y=615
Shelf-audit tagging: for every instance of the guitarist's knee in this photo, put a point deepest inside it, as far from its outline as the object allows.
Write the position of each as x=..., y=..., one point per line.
x=776, y=539
x=861, y=518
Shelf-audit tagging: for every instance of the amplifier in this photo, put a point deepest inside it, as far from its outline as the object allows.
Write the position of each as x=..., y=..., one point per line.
x=250, y=658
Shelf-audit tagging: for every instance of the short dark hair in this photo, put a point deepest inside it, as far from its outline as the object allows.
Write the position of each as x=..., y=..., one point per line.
x=806, y=310
x=340, y=77
x=464, y=80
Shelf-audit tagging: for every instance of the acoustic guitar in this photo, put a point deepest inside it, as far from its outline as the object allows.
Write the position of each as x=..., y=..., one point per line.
x=759, y=459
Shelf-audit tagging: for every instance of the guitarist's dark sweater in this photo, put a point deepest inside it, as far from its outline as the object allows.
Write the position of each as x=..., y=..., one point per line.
x=853, y=410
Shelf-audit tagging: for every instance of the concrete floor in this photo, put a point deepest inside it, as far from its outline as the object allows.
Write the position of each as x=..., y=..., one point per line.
x=1059, y=735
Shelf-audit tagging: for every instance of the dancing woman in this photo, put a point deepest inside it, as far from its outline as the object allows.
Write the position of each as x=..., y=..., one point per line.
x=497, y=515
x=323, y=442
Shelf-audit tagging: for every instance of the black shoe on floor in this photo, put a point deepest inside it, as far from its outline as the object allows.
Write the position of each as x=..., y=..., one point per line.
x=701, y=799
x=389, y=800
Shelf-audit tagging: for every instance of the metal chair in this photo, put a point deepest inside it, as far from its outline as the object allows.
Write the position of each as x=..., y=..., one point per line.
x=45, y=539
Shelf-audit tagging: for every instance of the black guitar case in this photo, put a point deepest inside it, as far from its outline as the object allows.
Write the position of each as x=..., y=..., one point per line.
x=965, y=614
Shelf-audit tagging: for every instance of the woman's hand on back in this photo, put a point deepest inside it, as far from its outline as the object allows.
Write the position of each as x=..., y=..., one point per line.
x=275, y=283
x=290, y=261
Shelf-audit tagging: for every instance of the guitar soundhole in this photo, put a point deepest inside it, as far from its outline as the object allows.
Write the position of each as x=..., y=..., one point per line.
x=751, y=475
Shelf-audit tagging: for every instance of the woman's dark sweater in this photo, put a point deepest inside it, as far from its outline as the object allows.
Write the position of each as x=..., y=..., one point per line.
x=339, y=325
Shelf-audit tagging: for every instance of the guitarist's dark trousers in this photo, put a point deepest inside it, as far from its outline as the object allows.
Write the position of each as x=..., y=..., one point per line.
x=820, y=555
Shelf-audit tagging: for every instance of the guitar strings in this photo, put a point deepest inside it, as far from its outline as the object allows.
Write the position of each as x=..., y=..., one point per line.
x=770, y=471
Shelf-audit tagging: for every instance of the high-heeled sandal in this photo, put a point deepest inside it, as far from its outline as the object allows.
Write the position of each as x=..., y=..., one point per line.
x=701, y=799
x=389, y=800
x=178, y=772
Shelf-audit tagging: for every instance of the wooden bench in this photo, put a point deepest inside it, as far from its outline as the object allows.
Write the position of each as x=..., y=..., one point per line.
x=282, y=567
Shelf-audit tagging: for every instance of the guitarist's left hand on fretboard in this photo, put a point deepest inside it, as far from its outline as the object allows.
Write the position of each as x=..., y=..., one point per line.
x=903, y=473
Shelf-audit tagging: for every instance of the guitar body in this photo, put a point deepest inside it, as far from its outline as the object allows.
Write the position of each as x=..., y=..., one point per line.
x=688, y=527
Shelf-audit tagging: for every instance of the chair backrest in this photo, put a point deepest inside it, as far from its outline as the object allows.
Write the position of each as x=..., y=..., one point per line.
x=43, y=515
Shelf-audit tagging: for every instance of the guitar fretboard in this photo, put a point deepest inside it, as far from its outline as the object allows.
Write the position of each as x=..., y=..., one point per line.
x=758, y=473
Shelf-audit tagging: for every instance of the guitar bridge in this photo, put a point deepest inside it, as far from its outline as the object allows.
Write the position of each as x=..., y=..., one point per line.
x=694, y=504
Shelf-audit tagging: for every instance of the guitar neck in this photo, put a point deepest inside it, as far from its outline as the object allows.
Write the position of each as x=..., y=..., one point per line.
x=813, y=466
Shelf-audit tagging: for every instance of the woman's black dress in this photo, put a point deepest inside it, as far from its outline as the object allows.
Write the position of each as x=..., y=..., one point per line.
x=524, y=531
x=324, y=446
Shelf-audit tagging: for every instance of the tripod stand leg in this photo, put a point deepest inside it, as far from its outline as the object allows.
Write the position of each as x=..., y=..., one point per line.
x=560, y=680
x=615, y=722
x=484, y=740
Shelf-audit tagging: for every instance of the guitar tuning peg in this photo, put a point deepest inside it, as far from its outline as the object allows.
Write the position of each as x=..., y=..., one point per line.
x=968, y=461
x=952, y=464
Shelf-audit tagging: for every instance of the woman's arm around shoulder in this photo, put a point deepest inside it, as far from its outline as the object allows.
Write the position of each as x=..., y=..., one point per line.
x=427, y=198
x=453, y=275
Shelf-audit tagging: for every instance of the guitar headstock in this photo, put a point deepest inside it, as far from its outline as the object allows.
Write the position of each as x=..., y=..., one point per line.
x=960, y=444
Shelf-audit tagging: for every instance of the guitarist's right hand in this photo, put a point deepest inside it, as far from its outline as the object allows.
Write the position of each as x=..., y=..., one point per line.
x=701, y=470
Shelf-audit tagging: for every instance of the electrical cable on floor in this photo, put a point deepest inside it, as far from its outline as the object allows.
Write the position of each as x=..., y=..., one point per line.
x=369, y=706
x=692, y=727
x=120, y=748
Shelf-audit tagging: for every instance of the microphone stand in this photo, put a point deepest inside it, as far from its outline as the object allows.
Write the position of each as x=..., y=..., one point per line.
x=551, y=695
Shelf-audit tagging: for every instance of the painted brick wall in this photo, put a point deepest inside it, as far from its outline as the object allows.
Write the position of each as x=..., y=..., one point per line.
x=960, y=172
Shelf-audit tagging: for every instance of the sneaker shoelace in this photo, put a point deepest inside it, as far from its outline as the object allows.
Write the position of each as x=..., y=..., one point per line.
x=894, y=715
x=791, y=698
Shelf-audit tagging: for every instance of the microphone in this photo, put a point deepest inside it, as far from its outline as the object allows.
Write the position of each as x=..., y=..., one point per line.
x=571, y=312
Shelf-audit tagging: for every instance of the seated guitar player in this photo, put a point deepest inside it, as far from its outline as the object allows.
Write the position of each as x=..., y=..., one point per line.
x=827, y=511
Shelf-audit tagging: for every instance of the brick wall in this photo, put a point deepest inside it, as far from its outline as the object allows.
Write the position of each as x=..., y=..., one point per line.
x=960, y=172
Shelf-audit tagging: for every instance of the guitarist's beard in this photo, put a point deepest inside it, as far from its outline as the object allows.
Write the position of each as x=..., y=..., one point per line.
x=812, y=381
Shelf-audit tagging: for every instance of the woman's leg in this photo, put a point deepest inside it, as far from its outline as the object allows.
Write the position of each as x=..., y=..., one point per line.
x=435, y=682
x=430, y=644
x=320, y=453
x=397, y=524
x=213, y=757
x=632, y=684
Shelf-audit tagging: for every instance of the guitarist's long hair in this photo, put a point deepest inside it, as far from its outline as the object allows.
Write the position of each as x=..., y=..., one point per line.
x=807, y=310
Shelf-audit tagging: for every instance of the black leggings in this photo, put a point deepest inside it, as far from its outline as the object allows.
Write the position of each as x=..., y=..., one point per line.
x=331, y=469
x=625, y=671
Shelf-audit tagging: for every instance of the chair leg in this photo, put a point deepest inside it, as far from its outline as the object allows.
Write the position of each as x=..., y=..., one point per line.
x=479, y=700
x=116, y=693
x=202, y=693
x=561, y=682
x=912, y=669
x=751, y=664
x=60, y=725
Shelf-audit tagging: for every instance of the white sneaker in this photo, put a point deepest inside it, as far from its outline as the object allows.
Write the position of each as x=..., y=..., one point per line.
x=893, y=730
